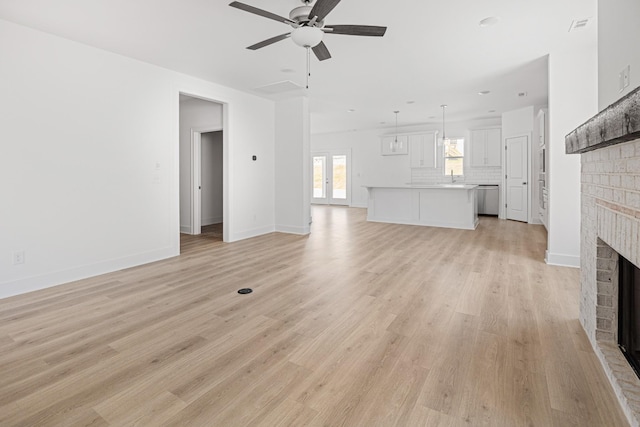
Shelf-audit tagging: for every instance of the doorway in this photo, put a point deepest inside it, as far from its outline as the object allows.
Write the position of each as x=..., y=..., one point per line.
x=206, y=181
x=517, y=178
x=331, y=183
x=211, y=172
x=203, y=171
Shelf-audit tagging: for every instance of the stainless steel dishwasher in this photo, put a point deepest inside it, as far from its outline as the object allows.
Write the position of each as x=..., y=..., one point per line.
x=488, y=199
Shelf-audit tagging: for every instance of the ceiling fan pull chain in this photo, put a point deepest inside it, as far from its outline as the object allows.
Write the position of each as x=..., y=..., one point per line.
x=308, y=65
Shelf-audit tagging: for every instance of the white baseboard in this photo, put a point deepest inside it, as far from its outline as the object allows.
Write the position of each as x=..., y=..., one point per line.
x=359, y=205
x=562, y=260
x=293, y=229
x=186, y=229
x=34, y=283
x=247, y=234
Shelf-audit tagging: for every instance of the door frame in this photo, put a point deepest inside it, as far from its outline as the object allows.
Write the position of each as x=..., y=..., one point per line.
x=329, y=164
x=503, y=191
x=196, y=176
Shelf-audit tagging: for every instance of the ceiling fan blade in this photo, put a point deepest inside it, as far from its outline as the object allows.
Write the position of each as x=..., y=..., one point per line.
x=264, y=13
x=321, y=52
x=355, y=30
x=267, y=42
x=322, y=9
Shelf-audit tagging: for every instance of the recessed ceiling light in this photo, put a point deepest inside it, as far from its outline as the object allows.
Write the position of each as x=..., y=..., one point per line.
x=490, y=21
x=522, y=94
x=484, y=92
x=578, y=24
x=411, y=102
x=383, y=123
x=287, y=70
x=492, y=111
x=351, y=110
x=432, y=117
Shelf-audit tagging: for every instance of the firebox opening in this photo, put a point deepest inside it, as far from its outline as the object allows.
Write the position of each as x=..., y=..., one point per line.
x=628, y=312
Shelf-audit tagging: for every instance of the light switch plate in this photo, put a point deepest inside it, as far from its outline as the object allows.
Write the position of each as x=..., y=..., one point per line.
x=18, y=257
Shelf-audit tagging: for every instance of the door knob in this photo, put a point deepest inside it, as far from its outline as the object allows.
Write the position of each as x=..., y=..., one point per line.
x=524, y=183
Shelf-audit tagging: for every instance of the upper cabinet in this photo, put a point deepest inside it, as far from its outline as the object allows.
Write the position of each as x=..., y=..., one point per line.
x=486, y=147
x=422, y=150
x=394, y=145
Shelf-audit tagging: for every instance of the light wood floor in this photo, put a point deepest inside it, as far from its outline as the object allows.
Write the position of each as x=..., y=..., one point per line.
x=358, y=324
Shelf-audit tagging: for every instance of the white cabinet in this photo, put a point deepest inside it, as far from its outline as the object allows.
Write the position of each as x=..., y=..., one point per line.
x=486, y=147
x=394, y=145
x=422, y=150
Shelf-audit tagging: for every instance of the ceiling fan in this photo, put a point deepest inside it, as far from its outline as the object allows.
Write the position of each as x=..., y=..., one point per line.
x=308, y=26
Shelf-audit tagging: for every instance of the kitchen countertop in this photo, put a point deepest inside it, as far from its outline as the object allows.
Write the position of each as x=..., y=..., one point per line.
x=427, y=186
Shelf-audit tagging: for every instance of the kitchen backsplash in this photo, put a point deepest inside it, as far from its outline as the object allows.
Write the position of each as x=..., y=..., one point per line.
x=488, y=175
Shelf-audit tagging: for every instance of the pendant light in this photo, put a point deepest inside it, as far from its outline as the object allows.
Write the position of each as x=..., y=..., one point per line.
x=394, y=144
x=444, y=137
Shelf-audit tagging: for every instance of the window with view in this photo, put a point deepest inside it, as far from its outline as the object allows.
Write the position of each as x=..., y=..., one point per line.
x=454, y=156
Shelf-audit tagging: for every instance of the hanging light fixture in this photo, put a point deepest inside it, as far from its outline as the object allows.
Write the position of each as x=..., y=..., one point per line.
x=444, y=136
x=394, y=144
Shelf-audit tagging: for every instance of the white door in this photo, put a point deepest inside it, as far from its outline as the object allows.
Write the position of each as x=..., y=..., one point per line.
x=330, y=178
x=517, y=161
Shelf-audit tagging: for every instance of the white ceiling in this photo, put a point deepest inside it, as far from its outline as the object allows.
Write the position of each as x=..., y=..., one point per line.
x=433, y=52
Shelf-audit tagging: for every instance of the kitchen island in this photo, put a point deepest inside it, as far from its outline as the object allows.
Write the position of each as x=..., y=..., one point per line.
x=438, y=205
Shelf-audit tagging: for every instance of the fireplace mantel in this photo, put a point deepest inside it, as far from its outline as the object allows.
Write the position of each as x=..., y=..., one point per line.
x=619, y=122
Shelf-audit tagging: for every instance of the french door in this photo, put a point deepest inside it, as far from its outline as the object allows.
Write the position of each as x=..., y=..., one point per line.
x=330, y=178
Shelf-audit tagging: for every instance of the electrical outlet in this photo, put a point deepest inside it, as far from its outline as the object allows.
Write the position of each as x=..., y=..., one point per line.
x=18, y=257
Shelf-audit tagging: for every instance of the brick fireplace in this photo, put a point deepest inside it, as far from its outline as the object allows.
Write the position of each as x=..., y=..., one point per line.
x=609, y=148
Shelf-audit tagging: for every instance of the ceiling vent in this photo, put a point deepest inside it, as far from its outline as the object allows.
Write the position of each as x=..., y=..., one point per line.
x=578, y=24
x=279, y=87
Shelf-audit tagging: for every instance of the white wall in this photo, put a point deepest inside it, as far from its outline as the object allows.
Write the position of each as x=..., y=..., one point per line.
x=368, y=166
x=517, y=122
x=212, y=191
x=618, y=36
x=199, y=115
x=573, y=93
x=89, y=170
x=293, y=166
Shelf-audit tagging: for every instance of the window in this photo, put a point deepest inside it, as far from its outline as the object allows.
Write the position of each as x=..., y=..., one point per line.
x=454, y=156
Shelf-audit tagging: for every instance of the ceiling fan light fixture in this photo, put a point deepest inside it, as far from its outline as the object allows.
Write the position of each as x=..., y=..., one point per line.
x=307, y=36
